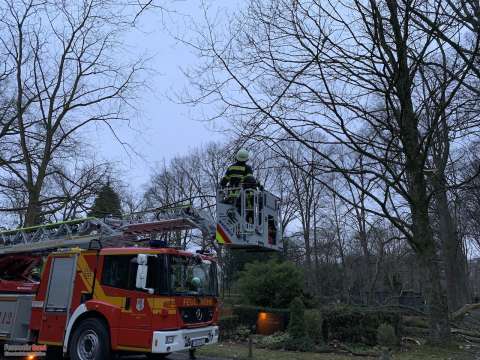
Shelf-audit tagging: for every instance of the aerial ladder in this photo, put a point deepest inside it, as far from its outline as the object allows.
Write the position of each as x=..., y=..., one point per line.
x=249, y=222
x=106, y=232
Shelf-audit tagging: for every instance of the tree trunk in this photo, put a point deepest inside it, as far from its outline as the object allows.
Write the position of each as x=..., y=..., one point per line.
x=309, y=276
x=436, y=299
x=422, y=239
x=315, y=253
x=424, y=244
x=33, y=212
x=368, y=274
x=453, y=255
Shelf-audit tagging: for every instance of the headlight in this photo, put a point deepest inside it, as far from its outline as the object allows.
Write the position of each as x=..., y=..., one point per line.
x=169, y=339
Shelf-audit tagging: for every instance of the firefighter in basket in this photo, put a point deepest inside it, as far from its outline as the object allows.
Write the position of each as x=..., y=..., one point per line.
x=235, y=175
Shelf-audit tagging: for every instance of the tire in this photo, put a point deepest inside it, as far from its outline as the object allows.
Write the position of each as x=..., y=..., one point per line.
x=90, y=341
x=157, y=356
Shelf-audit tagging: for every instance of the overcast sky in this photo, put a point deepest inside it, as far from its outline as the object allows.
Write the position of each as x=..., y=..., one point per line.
x=164, y=129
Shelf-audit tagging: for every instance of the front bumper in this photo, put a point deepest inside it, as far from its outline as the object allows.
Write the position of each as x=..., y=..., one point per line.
x=179, y=340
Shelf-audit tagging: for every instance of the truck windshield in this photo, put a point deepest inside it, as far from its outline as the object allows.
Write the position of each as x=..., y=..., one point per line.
x=192, y=276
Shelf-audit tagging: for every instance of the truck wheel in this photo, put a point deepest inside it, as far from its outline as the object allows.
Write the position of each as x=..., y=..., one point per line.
x=90, y=341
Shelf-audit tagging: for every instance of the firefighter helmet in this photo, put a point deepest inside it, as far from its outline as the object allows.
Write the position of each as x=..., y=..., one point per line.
x=196, y=282
x=35, y=274
x=242, y=155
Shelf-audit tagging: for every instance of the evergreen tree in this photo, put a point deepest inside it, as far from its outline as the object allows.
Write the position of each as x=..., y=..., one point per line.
x=298, y=338
x=107, y=203
x=270, y=283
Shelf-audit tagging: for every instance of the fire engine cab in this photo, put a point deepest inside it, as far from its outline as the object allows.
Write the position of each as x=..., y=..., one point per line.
x=89, y=300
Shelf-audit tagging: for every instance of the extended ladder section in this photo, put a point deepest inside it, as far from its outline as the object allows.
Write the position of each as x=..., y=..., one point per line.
x=109, y=231
x=248, y=219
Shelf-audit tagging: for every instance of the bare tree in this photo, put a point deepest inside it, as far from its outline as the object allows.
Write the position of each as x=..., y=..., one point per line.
x=67, y=77
x=189, y=180
x=352, y=72
x=456, y=23
x=306, y=195
x=443, y=158
x=469, y=199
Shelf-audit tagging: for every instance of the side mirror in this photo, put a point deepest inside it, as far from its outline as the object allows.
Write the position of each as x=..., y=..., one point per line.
x=142, y=272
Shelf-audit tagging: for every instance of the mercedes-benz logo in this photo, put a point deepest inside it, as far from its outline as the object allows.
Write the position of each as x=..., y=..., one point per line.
x=199, y=314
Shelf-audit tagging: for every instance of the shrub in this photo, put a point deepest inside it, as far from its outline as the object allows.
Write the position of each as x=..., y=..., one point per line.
x=228, y=324
x=386, y=336
x=242, y=333
x=303, y=344
x=356, y=325
x=297, y=334
x=296, y=327
x=273, y=342
x=313, y=325
x=270, y=284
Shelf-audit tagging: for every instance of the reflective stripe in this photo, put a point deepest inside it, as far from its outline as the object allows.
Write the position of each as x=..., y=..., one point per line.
x=235, y=167
x=235, y=174
x=234, y=194
x=230, y=174
x=219, y=238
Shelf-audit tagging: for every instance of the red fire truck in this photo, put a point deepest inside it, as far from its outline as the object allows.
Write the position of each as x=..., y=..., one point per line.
x=90, y=300
x=87, y=288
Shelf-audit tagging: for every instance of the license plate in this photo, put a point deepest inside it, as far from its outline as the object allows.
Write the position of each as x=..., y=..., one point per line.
x=198, y=342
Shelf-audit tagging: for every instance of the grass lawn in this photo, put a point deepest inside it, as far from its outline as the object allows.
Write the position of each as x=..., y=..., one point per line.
x=237, y=351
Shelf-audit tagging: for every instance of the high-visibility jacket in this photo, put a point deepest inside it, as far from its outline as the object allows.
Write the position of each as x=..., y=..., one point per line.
x=235, y=174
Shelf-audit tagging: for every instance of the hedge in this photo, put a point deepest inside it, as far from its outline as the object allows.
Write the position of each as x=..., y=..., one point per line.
x=343, y=323
x=357, y=325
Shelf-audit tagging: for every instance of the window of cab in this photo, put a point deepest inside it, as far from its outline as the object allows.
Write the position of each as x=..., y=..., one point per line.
x=120, y=271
